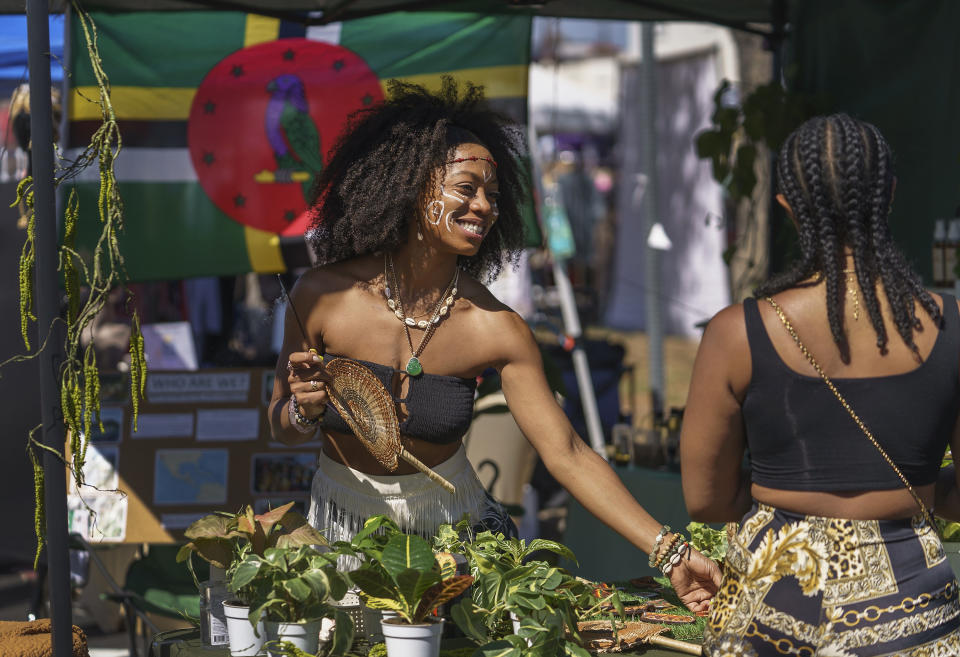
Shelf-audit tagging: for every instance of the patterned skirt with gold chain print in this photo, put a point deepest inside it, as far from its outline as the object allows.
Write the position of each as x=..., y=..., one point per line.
x=832, y=587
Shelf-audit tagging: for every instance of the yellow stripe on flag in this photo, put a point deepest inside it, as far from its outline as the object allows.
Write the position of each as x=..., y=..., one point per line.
x=497, y=81
x=134, y=103
x=173, y=103
x=263, y=248
x=260, y=29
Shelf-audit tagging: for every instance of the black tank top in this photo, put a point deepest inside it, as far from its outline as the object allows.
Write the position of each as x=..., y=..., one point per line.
x=799, y=437
x=439, y=408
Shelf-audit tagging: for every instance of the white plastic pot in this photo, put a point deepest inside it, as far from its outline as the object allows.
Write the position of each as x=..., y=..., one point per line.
x=405, y=640
x=243, y=641
x=304, y=636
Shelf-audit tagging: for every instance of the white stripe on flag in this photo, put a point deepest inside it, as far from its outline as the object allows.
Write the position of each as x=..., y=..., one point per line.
x=328, y=33
x=145, y=165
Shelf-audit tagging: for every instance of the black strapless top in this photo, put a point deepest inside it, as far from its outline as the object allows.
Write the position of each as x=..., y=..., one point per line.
x=439, y=408
x=800, y=438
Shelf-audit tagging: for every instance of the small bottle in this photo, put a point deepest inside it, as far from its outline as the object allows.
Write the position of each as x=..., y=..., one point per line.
x=623, y=447
x=950, y=253
x=939, y=253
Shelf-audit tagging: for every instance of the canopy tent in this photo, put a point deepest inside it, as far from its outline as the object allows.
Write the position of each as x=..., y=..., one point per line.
x=733, y=13
x=741, y=14
x=13, y=51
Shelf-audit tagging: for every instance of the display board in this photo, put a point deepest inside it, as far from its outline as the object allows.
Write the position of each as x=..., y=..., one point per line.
x=202, y=444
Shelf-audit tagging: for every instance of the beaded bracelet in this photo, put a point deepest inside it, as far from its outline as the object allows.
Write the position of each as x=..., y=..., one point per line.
x=664, y=555
x=302, y=423
x=675, y=558
x=656, y=544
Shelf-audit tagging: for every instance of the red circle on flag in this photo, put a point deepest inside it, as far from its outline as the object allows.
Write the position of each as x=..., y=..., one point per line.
x=262, y=121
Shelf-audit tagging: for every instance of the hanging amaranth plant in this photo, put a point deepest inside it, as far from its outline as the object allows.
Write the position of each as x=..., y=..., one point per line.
x=79, y=375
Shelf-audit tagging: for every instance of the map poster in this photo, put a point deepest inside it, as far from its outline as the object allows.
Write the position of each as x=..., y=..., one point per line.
x=282, y=473
x=190, y=476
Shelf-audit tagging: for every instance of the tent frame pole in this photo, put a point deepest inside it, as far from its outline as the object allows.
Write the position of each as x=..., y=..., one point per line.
x=50, y=330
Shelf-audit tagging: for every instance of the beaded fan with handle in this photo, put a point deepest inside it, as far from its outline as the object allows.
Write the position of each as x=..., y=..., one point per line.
x=368, y=408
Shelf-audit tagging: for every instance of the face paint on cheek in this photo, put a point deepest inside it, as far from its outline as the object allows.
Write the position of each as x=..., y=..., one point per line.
x=495, y=211
x=456, y=196
x=434, y=212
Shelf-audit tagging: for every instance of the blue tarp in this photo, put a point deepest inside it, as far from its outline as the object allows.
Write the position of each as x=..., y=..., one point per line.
x=13, y=50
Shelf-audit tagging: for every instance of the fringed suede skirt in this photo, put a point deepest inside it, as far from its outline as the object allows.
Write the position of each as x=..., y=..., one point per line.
x=341, y=500
x=834, y=587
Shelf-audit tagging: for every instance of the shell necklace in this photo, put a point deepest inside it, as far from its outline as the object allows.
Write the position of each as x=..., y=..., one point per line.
x=414, y=367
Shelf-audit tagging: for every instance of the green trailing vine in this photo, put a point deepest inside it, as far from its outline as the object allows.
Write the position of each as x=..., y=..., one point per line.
x=87, y=286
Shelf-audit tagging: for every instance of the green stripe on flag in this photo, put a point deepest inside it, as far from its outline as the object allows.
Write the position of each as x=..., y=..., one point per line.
x=172, y=230
x=158, y=49
x=422, y=43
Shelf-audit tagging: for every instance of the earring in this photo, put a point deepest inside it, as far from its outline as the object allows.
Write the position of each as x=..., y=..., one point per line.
x=419, y=235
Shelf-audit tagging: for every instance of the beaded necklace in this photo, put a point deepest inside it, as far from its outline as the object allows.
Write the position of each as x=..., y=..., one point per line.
x=414, y=367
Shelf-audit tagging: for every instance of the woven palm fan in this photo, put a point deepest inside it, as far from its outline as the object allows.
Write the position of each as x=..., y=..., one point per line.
x=366, y=405
x=598, y=637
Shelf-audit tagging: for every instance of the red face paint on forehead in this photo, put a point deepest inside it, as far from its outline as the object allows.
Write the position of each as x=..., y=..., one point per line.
x=472, y=158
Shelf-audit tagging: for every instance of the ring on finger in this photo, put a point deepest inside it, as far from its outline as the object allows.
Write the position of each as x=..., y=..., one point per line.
x=289, y=366
x=314, y=386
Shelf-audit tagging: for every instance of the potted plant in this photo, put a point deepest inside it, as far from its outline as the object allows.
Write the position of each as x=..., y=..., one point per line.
x=292, y=589
x=409, y=580
x=523, y=606
x=223, y=539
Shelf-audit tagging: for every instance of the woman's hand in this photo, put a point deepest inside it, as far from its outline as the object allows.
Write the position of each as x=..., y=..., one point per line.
x=308, y=379
x=696, y=579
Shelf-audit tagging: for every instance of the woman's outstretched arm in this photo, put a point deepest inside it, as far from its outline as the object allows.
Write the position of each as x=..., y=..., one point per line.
x=584, y=473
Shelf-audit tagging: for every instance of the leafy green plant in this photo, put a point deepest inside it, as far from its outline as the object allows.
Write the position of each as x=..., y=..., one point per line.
x=407, y=578
x=291, y=585
x=223, y=539
x=547, y=601
x=710, y=542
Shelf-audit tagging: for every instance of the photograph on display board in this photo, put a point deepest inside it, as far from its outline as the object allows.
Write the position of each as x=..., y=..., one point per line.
x=114, y=388
x=100, y=468
x=190, y=476
x=264, y=504
x=111, y=419
x=98, y=517
x=282, y=473
x=266, y=388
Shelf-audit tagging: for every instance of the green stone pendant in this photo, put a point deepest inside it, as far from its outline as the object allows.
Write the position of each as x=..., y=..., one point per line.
x=414, y=368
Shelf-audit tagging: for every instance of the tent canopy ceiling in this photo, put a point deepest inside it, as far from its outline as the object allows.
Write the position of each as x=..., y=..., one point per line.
x=734, y=13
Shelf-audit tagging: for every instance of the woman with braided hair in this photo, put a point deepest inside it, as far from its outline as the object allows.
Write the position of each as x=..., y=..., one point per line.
x=841, y=380
x=419, y=204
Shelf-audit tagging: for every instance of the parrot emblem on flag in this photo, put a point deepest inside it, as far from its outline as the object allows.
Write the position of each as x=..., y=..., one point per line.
x=292, y=135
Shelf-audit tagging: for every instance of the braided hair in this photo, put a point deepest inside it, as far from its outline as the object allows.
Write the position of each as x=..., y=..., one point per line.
x=837, y=175
x=385, y=163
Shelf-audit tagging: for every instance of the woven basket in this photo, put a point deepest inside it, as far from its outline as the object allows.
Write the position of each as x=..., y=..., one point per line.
x=367, y=407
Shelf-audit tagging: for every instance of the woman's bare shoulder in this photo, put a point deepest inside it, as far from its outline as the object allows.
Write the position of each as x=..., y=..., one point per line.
x=728, y=327
x=337, y=277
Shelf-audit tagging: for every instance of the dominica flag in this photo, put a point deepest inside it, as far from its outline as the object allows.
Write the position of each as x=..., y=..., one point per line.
x=226, y=117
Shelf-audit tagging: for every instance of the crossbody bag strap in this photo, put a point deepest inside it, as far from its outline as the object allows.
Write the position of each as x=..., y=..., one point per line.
x=853, y=414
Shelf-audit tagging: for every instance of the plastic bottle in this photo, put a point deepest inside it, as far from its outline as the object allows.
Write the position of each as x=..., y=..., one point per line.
x=939, y=252
x=950, y=253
